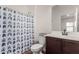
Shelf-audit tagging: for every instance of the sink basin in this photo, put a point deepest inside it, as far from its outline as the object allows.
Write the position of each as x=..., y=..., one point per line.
x=58, y=34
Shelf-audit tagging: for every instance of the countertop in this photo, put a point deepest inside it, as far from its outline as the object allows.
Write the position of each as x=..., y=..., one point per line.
x=70, y=37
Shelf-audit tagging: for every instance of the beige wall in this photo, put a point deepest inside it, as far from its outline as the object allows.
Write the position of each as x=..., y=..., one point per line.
x=43, y=19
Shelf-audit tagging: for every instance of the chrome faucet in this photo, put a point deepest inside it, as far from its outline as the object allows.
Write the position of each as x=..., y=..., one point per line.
x=64, y=32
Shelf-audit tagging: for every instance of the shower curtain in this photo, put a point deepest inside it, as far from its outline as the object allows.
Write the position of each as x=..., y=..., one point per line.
x=16, y=31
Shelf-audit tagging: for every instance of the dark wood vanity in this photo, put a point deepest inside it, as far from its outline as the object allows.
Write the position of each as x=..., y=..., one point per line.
x=61, y=46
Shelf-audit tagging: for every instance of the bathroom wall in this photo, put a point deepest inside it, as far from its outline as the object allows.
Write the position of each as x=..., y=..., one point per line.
x=43, y=16
x=58, y=11
x=43, y=19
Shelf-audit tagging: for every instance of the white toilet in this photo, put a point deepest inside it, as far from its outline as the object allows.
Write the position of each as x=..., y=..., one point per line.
x=37, y=48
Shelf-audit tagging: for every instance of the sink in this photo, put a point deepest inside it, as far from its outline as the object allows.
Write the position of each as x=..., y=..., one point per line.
x=58, y=34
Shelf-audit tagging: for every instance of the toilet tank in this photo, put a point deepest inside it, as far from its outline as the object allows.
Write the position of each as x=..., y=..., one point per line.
x=42, y=38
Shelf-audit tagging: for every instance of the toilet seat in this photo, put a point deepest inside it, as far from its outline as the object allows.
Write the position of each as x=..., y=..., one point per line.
x=36, y=46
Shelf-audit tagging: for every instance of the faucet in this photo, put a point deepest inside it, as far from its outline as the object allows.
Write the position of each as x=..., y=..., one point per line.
x=64, y=32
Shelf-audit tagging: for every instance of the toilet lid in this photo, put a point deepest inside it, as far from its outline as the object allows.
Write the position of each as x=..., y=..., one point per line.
x=36, y=46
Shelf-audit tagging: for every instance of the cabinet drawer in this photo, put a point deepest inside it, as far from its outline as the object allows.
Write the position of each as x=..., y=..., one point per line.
x=70, y=46
x=53, y=45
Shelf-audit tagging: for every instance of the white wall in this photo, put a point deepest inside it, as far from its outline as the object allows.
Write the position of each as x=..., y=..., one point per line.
x=43, y=19
x=59, y=10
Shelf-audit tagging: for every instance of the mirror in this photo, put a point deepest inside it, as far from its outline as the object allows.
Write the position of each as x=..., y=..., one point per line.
x=68, y=22
x=78, y=22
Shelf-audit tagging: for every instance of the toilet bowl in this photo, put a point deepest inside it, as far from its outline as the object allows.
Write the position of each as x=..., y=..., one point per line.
x=37, y=48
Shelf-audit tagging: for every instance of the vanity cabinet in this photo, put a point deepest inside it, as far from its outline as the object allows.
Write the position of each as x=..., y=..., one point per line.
x=53, y=45
x=61, y=46
x=70, y=46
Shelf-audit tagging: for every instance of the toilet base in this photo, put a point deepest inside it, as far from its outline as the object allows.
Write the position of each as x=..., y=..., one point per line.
x=38, y=52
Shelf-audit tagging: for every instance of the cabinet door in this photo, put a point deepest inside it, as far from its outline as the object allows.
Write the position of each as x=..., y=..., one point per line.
x=70, y=47
x=53, y=45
